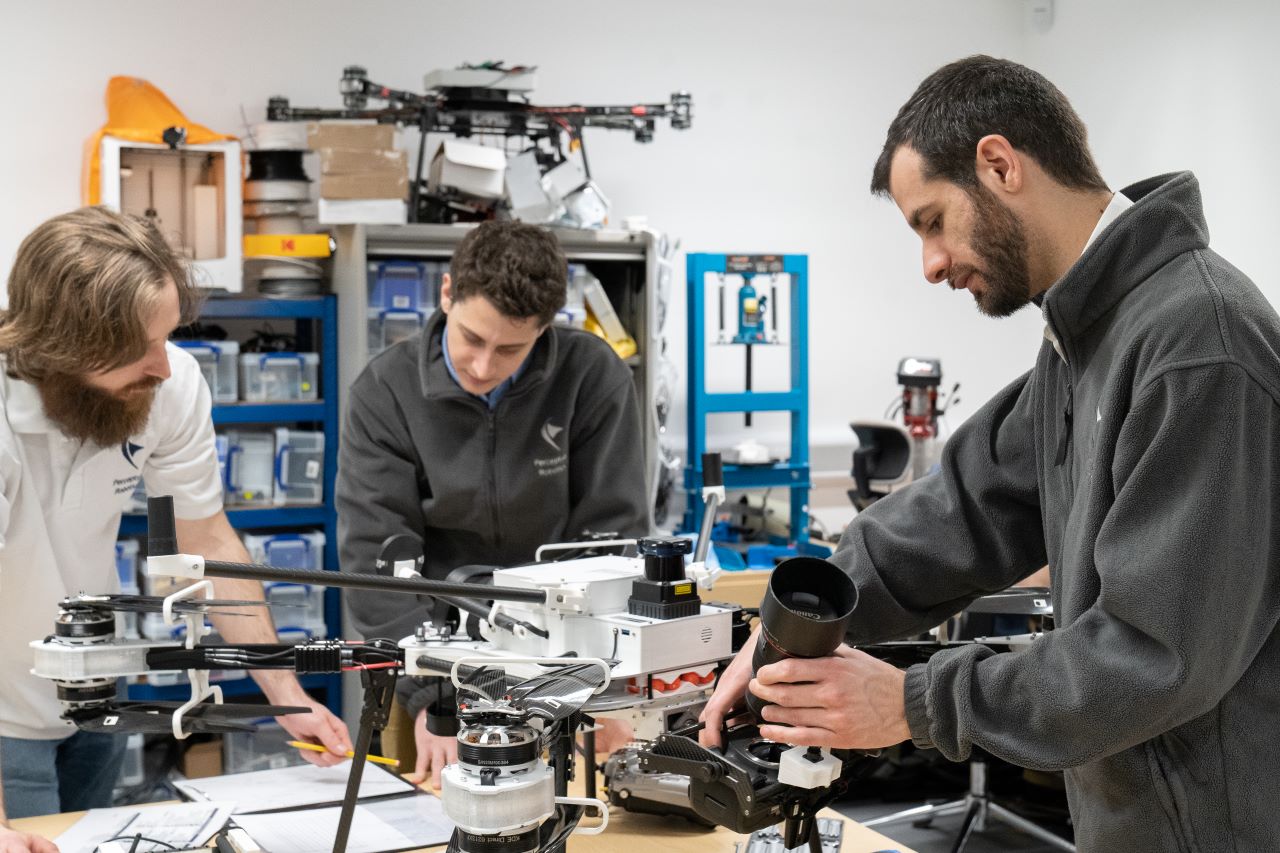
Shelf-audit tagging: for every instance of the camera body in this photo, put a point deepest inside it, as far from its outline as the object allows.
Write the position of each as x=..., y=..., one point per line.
x=744, y=787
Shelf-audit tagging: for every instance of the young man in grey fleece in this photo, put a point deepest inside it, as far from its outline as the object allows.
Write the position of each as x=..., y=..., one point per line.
x=1137, y=458
x=492, y=433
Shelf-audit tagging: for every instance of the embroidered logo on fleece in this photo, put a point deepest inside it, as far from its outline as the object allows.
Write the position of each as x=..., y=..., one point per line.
x=549, y=434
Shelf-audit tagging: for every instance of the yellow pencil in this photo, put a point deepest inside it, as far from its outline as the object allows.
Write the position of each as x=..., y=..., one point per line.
x=315, y=747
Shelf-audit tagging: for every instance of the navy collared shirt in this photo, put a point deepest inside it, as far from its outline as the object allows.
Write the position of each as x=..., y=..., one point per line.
x=491, y=399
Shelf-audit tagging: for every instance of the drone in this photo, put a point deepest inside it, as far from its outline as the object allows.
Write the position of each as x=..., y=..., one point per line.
x=489, y=100
x=657, y=657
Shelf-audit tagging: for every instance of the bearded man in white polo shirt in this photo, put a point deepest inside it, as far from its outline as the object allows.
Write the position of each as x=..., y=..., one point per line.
x=95, y=397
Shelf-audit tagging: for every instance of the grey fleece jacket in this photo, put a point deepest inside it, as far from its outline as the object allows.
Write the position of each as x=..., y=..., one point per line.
x=1142, y=466
x=560, y=456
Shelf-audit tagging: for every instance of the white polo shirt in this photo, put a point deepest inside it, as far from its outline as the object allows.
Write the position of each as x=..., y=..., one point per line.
x=60, y=508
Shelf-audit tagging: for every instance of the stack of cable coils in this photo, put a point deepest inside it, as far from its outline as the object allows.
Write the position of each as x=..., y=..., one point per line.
x=277, y=193
x=277, y=200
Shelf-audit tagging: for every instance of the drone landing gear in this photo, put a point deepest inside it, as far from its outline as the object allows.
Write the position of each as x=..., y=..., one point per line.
x=379, y=689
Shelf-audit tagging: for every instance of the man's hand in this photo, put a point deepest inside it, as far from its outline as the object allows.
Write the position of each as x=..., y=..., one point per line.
x=612, y=735
x=434, y=752
x=318, y=725
x=848, y=701
x=12, y=841
x=729, y=695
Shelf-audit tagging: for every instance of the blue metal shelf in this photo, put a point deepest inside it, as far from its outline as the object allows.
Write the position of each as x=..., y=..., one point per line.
x=311, y=308
x=272, y=516
x=236, y=687
x=263, y=413
x=776, y=475
x=323, y=310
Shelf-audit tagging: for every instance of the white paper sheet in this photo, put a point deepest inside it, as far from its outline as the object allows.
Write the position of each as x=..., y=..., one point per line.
x=291, y=787
x=401, y=823
x=181, y=826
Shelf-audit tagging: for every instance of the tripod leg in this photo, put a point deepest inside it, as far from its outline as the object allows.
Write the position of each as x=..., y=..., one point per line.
x=919, y=813
x=1000, y=813
x=966, y=828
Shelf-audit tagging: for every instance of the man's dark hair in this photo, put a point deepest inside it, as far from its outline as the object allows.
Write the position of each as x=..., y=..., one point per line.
x=962, y=102
x=519, y=268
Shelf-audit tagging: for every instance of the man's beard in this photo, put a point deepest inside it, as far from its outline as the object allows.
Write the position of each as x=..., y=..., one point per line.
x=91, y=414
x=1000, y=242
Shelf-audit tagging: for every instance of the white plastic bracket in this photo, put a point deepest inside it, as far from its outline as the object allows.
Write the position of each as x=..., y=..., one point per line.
x=187, y=566
x=199, y=678
x=795, y=768
x=568, y=546
x=600, y=808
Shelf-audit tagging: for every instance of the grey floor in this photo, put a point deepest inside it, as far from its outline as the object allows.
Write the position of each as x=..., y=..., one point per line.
x=940, y=835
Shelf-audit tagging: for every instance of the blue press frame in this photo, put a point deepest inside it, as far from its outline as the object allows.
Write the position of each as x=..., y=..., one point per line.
x=793, y=474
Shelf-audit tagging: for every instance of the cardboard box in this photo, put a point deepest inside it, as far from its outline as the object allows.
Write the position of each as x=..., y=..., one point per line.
x=325, y=134
x=365, y=185
x=343, y=161
x=202, y=760
x=475, y=170
x=745, y=588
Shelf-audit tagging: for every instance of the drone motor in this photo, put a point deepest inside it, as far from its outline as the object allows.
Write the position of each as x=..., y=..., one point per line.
x=500, y=791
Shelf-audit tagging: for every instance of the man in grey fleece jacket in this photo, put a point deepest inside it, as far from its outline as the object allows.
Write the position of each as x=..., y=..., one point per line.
x=492, y=433
x=1137, y=458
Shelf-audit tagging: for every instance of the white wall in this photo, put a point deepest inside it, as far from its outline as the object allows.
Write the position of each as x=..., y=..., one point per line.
x=791, y=102
x=1181, y=84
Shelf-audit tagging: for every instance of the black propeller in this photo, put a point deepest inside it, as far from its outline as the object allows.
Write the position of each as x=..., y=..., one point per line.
x=154, y=603
x=157, y=717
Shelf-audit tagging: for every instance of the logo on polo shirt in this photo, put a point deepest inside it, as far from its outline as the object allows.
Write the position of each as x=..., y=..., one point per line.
x=128, y=448
x=549, y=433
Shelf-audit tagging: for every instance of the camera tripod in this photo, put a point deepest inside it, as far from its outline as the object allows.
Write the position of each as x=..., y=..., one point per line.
x=977, y=808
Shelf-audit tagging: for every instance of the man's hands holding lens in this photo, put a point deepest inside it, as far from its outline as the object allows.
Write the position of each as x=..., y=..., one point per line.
x=847, y=701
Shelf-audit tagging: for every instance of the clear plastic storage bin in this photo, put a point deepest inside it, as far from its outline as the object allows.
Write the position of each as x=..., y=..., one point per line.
x=298, y=609
x=217, y=360
x=279, y=376
x=288, y=550
x=250, y=468
x=127, y=570
x=402, y=295
x=127, y=565
x=264, y=749
x=299, y=467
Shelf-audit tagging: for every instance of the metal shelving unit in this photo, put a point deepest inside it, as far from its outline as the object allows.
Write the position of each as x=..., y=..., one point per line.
x=322, y=313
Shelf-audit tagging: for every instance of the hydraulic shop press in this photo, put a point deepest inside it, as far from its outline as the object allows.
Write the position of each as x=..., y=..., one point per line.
x=757, y=324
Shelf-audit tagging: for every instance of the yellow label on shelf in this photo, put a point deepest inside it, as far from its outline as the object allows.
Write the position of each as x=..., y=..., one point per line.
x=288, y=245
